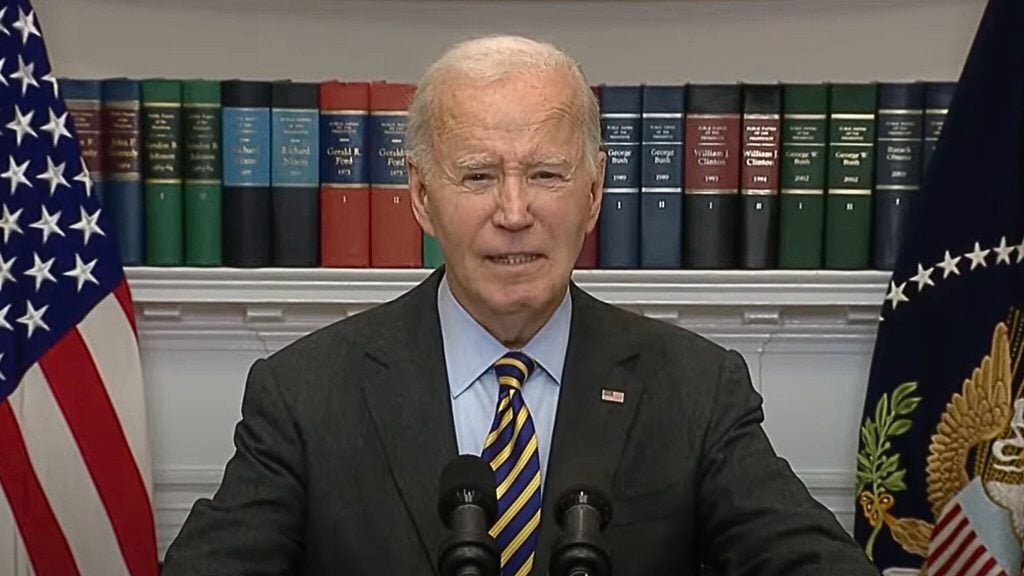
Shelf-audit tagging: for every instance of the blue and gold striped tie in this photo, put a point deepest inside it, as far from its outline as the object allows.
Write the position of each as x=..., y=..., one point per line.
x=511, y=450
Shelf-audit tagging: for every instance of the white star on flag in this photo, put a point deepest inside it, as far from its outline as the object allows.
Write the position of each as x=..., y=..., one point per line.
x=1003, y=251
x=56, y=127
x=85, y=178
x=48, y=224
x=977, y=257
x=88, y=225
x=949, y=265
x=5, y=270
x=895, y=295
x=923, y=277
x=1020, y=252
x=41, y=271
x=82, y=272
x=16, y=174
x=3, y=79
x=9, y=222
x=3, y=318
x=54, y=175
x=22, y=124
x=26, y=24
x=33, y=318
x=52, y=80
x=24, y=73
x=3, y=29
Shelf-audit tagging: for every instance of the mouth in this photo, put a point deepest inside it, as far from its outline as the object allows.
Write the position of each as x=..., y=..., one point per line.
x=514, y=258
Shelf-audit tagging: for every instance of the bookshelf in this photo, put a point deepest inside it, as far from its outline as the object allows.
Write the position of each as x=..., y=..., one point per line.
x=807, y=336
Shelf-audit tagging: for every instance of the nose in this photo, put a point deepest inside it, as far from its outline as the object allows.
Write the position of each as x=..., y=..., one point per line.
x=513, y=206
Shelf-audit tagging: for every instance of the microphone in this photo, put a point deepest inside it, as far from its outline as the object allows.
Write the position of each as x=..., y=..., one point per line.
x=468, y=505
x=582, y=513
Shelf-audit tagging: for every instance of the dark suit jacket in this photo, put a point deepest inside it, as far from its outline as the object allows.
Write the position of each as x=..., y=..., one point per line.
x=345, y=432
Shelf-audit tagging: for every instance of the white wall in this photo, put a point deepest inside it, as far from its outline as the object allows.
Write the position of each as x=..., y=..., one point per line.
x=616, y=40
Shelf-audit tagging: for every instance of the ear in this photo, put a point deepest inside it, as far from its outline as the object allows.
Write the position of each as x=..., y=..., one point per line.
x=420, y=199
x=596, y=192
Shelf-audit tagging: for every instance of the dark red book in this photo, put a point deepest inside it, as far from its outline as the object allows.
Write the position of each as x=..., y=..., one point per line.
x=396, y=240
x=588, y=255
x=345, y=174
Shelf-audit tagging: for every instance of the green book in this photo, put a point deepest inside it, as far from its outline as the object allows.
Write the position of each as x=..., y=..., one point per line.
x=201, y=132
x=803, y=172
x=851, y=169
x=432, y=256
x=162, y=171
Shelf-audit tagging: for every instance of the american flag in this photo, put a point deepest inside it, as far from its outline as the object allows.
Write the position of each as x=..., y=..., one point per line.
x=74, y=462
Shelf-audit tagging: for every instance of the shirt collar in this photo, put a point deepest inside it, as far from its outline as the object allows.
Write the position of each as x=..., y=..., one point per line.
x=470, y=350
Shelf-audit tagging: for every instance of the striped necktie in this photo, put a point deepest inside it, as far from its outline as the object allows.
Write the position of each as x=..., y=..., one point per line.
x=511, y=450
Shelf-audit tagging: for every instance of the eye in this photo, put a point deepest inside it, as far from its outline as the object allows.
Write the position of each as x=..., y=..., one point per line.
x=476, y=178
x=547, y=176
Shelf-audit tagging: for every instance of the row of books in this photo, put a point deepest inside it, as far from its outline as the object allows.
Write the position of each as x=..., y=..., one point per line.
x=252, y=174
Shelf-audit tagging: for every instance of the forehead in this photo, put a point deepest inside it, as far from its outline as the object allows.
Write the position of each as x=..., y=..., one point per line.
x=523, y=102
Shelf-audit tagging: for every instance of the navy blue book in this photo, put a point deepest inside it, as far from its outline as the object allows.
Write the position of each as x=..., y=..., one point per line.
x=84, y=100
x=245, y=129
x=661, y=181
x=122, y=160
x=900, y=120
x=619, y=238
x=295, y=173
x=937, y=98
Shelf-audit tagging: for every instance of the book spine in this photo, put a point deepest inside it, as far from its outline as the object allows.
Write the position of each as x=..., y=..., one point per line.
x=201, y=133
x=938, y=97
x=245, y=129
x=344, y=174
x=759, y=176
x=162, y=172
x=295, y=174
x=84, y=99
x=803, y=176
x=122, y=159
x=898, y=167
x=396, y=240
x=619, y=242
x=661, y=179
x=433, y=257
x=712, y=176
x=848, y=209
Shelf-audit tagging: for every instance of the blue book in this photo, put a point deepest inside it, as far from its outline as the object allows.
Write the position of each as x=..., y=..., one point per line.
x=900, y=133
x=619, y=238
x=295, y=173
x=661, y=167
x=84, y=99
x=122, y=161
x=938, y=97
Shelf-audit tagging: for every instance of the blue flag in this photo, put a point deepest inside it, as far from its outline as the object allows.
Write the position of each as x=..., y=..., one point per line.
x=940, y=467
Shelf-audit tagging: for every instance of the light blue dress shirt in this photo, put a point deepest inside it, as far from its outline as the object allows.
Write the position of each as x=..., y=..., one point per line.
x=470, y=353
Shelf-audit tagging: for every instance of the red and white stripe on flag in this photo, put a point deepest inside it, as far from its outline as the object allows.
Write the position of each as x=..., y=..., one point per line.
x=957, y=550
x=75, y=464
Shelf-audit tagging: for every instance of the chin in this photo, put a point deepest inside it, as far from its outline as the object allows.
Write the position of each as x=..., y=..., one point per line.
x=519, y=298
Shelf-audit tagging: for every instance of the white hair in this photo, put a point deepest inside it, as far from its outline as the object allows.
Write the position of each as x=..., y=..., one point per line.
x=490, y=59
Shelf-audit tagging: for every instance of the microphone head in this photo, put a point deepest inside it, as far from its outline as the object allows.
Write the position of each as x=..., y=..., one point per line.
x=467, y=479
x=586, y=495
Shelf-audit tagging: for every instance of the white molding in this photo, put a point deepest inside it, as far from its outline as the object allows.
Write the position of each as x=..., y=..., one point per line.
x=861, y=290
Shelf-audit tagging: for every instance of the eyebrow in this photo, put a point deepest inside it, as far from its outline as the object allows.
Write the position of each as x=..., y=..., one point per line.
x=485, y=161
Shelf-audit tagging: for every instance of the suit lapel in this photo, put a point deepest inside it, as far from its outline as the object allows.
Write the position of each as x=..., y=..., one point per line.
x=589, y=430
x=409, y=400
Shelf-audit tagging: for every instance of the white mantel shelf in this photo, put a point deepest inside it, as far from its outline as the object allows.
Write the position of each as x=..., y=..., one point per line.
x=782, y=288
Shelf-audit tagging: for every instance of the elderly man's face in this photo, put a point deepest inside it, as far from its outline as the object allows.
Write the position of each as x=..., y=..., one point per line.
x=509, y=196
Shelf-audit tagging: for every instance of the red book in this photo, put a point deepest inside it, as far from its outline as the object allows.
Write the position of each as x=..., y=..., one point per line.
x=588, y=255
x=396, y=240
x=344, y=174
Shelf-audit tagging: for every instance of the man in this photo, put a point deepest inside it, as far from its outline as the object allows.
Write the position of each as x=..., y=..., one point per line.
x=344, y=433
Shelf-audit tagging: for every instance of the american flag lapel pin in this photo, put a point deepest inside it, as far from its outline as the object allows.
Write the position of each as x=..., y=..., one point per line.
x=616, y=396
